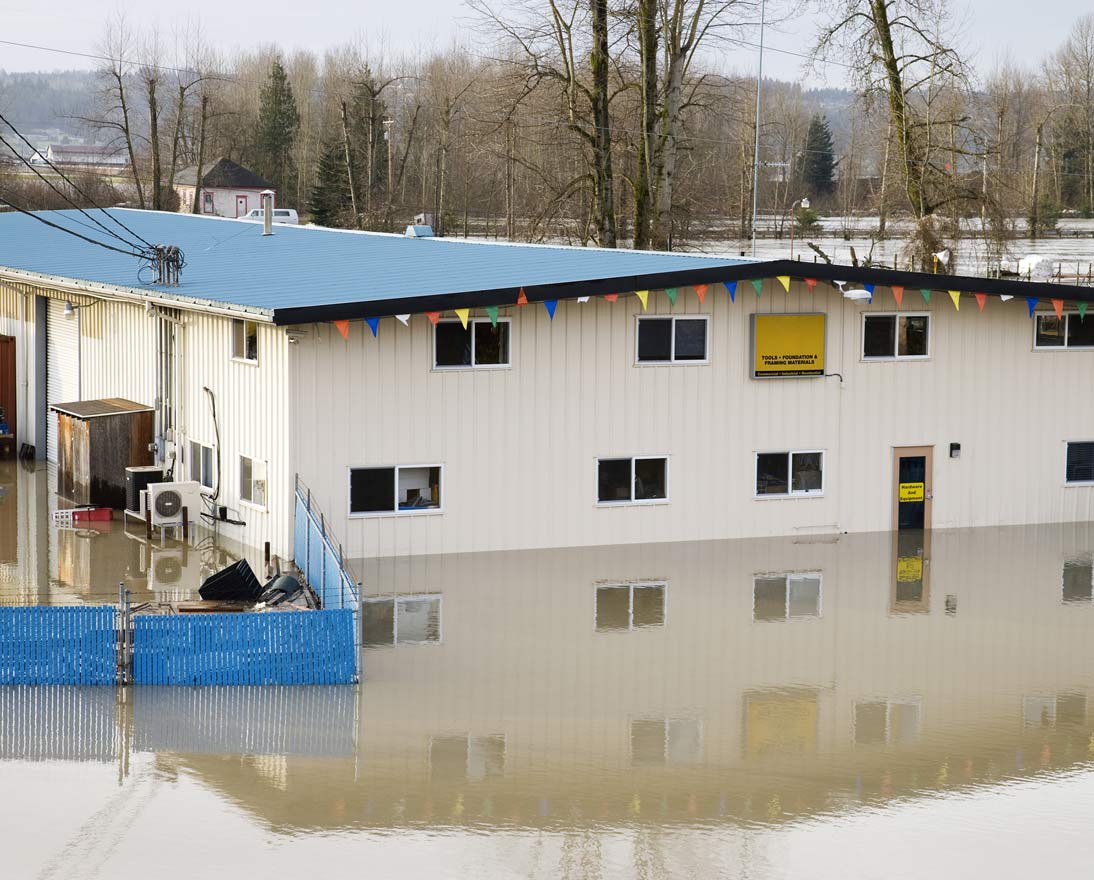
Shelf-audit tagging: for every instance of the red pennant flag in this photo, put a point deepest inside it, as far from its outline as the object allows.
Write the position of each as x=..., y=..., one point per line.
x=701, y=291
x=343, y=328
x=434, y=317
x=611, y=297
x=981, y=298
x=522, y=300
x=810, y=283
x=898, y=294
x=1058, y=305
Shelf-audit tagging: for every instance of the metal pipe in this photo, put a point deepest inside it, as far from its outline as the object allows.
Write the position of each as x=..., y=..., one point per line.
x=756, y=150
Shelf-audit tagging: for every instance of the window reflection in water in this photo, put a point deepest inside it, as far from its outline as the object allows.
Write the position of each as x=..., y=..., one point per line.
x=402, y=620
x=662, y=742
x=623, y=607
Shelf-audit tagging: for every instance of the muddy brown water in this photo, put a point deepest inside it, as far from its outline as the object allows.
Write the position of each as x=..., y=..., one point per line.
x=832, y=707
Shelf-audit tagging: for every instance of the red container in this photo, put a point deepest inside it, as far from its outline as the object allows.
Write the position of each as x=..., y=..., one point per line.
x=93, y=514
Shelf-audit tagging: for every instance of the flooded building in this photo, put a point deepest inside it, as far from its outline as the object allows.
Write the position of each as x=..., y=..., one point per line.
x=443, y=396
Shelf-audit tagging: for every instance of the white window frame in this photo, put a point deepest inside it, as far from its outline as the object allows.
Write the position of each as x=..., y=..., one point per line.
x=672, y=361
x=206, y=490
x=266, y=481
x=421, y=511
x=471, y=322
x=240, y=358
x=1067, y=316
x=790, y=491
x=895, y=356
x=668, y=720
x=1067, y=482
x=408, y=597
x=889, y=704
x=632, y=502
x=787, y=575
x=631, y=586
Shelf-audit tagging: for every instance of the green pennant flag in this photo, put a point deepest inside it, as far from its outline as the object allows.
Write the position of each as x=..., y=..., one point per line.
x=1082, y=310
x=926, y=295
x=670, y=292
x=758, y=284
x=492, y=311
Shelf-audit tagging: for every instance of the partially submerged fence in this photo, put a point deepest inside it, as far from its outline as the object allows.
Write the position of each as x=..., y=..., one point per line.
x=319, y=556
x=56, y=644
x=290, y=647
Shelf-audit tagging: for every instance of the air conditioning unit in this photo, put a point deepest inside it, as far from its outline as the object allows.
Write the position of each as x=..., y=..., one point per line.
x=137, y=480
x=166, y=502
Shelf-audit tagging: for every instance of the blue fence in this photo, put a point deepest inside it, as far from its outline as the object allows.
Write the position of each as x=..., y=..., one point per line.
x=306, y=647
x=58, y=645
x=319, y=557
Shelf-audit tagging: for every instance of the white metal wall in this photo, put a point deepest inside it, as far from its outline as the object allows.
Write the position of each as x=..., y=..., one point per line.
x=63, y=364
x=17, y=319
x=520, y=445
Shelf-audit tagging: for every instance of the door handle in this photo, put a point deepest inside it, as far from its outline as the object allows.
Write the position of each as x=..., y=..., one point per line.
x=930, y=495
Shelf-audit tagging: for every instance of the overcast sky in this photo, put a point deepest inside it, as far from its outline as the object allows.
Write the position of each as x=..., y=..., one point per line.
x=993, y=28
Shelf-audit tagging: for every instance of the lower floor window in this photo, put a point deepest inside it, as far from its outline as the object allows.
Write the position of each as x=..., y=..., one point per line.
x=623, y=480
x=622, y=607
x=398, y=489
x=201, y=464
x=786, y=596
x=401, y=620
x=1080, y=462
x=252, y=481
x=657, y=742
x=789, y=473
x=473, y=758
x=888, y=722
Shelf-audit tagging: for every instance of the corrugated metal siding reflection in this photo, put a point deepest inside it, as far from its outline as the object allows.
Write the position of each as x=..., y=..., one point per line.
x=245, y=720
x=13, y=299
x=58, y=723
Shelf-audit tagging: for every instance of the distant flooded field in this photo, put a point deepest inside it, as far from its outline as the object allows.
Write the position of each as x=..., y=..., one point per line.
x=864, y=706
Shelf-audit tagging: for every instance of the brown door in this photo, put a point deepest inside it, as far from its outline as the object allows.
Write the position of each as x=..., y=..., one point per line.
x=912, y=497
x=7, y=383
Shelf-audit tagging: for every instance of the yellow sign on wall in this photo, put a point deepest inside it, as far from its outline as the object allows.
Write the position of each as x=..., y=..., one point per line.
x=787, y=345
x=912, y=492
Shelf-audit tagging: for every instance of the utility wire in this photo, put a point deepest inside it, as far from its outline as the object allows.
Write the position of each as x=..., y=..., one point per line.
x=41, y=219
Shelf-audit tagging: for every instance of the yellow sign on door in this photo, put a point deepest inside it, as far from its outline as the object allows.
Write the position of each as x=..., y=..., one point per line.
x=912, y=492
x=909, y=569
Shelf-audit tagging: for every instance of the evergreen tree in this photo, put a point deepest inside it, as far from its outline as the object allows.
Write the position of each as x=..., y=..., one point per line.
x=818, y=161
x=278, y=123
x=330, y=201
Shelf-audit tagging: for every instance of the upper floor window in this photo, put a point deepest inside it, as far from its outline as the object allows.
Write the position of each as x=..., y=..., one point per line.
x=895, y=336
x=671, y=340
x=789, y=473
x=1067, y=331
x=401, y=489
x=245, y=340
x=631, y=480
x=1080, y=462
x=481, y=345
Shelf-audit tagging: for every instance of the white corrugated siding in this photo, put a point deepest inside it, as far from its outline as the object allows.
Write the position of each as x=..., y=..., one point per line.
x=62, y=366
x=520, y=445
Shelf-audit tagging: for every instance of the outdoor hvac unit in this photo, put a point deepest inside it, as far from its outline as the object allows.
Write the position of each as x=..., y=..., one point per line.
x=137, y=479
x=167, y=500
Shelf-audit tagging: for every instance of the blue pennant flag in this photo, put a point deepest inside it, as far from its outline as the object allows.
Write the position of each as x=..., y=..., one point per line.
x=551, y=305
x=731, y=286
x=869, y=288
x=374, y=324
x=1031, y=301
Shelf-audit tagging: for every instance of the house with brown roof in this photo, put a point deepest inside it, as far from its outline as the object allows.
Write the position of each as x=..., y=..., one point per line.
x=227, y=189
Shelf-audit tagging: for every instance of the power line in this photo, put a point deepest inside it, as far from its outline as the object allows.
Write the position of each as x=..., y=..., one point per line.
x=40, y=219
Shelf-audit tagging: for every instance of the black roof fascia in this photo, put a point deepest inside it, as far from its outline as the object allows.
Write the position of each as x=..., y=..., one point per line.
x=507, y=296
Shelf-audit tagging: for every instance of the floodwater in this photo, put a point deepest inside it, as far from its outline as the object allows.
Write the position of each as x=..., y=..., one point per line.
x=860, y=706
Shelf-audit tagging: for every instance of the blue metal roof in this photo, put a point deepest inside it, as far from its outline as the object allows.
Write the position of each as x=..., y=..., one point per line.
x=309, y=273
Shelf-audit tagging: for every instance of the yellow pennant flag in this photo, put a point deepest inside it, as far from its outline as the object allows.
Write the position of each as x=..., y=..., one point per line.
x=784, y=280
x=642, y=295
x=955, y=295
x=463, y=315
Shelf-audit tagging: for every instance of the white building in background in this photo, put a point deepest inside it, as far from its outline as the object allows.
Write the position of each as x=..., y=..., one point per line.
x=227, y=189
x=90, y=155
x=670, y=397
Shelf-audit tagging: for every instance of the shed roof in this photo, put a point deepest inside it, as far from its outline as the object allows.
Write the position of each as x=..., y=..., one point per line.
x=223, y=174
x=93, y=409
x=307, y=273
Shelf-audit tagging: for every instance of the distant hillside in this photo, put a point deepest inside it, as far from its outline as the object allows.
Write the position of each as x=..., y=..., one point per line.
x=45, y=105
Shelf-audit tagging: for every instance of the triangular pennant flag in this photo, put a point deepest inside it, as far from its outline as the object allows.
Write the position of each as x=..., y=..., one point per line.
x=404, y=319
x=551, y=305
x=810, y=283
x=611, y=297
x=643, y=296
x=926, y=295
x=955, y=295
x=1031, y=303
x=701, y=291
x=981, y=299
x=898, y=294
x=522, y=300
x=582, y=299
x=758, y=285
x=463, y=315
x=1058, y=307
x=492, y=311
x=343, y=328
x=1005, y=296
x=731, y=286
x=869, y=288
x=670, y=292
x=784, y=280
x=373, y=325
x=434, y=317
x=1082, y=310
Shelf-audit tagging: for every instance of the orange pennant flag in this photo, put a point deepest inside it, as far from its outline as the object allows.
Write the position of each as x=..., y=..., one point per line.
x=898, y=294
x=522, y=300
x=1058, y=305
x=811, y=283
x=701, y=291
x=343, y=328
x=434, y=317
x=981, y=298
x=611, y=297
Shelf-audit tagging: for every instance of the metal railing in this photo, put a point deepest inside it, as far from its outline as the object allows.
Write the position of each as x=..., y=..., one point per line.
x=319, y=556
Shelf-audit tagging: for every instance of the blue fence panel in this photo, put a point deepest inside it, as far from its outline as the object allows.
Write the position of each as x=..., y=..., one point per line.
x=58, y=645
x=314, y=571
x=300, y=534
x=306, y=647
x=332, y=580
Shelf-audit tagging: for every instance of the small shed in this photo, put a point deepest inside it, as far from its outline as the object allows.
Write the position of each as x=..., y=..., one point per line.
x=96, y=441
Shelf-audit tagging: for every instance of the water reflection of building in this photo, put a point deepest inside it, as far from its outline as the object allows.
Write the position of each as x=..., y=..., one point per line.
x=679, y=683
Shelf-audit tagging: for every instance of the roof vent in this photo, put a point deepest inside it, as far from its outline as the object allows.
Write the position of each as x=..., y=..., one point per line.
x=419, y=232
